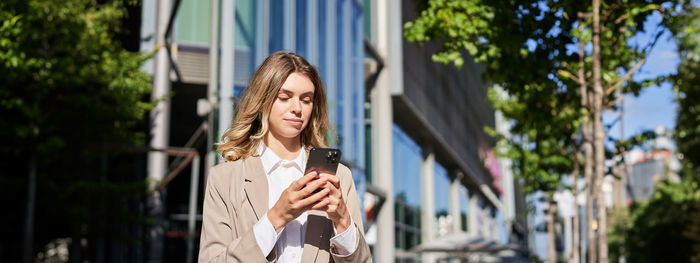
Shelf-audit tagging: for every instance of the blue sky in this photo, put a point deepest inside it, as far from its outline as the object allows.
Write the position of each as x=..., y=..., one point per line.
x=655, y=105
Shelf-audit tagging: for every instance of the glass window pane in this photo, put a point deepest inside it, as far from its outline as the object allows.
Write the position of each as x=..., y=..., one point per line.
x=406, y=164
x=245, y=24
x=301, y=32
x=341, y=61
x=322, y=40
x=192, y=24
x=442, y=200
x=463, y=205
x=277, y=31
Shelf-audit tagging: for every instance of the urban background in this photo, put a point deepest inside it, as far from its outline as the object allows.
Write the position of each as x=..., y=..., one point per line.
x=476, y=131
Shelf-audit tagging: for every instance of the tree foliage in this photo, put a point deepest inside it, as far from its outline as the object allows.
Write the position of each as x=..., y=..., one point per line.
x=529, y=50
x=665, y=228
x=686, y=29
x=67, y=89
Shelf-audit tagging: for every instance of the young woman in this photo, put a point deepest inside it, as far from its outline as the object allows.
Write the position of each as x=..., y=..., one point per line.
x=258, y=205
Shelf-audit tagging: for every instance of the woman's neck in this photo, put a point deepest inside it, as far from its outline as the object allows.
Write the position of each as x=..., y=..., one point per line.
x=285, y=148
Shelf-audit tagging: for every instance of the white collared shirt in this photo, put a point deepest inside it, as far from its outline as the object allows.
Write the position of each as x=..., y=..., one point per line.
x=280, y=174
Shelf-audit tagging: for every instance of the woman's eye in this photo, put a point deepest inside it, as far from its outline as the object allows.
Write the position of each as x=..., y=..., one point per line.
x=307, y=101
x=283, y=98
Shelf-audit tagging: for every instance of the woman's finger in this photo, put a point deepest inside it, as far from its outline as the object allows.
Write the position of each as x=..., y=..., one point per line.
x=320, y=205
x=313, y=186
x=309, y=201
x=335, y=180
x=304, y=180
x=334, y=190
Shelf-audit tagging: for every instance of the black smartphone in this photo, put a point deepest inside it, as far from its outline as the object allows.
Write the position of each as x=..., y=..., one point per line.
x=323, y=160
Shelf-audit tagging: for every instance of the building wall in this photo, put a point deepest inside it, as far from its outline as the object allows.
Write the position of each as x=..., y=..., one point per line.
x=328, y=34
x=438, y=113
x=445, y=107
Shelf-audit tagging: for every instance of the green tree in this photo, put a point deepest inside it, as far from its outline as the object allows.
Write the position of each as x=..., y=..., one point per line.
x=536, y=37
x=686, y=29
x=663, y=228
x=68, y=90
x=537, y=101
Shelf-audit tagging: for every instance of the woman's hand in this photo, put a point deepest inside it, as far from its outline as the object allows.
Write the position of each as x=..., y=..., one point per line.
x=298, y=198
x=335, y=205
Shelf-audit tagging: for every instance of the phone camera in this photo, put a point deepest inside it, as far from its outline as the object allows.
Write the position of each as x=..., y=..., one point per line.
x=332, y=157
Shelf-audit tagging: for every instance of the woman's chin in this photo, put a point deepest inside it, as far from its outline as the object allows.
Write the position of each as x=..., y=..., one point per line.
x=290, y=133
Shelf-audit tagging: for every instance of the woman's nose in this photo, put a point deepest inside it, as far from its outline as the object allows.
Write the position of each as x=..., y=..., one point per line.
x=296, y=106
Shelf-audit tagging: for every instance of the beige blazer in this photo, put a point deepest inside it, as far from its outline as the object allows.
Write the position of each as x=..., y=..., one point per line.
x=235, y=199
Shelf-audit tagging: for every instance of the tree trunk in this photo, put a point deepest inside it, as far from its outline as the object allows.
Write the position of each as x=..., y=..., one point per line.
x=588, y=152
x=574, y=257
x=583, y=92
x=590, y=190
x=28, y=248
x=599, y=135
x=551, y=250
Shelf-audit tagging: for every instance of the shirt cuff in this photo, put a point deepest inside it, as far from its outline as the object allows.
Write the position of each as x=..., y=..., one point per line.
x=346, y=242
x=265, y=234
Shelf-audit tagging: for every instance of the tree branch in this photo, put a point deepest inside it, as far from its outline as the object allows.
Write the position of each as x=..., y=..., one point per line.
x=621, y=18
x=627, y=76
x=615, y=101
x=567, y=74
x=584, y=15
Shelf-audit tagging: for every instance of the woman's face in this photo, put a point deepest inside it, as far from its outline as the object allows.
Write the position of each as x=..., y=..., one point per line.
x=292, y=108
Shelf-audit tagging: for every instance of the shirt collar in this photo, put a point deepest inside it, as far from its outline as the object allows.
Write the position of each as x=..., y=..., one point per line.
x=271, y=161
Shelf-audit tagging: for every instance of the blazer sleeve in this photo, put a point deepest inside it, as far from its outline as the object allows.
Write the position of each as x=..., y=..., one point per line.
x=220, y=240
x=362, y=252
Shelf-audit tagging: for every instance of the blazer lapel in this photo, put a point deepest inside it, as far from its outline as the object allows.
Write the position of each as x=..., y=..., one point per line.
x=256, y=188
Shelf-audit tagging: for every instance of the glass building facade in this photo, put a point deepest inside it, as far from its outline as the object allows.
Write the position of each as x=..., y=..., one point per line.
x=407, y=190
x=329, y=34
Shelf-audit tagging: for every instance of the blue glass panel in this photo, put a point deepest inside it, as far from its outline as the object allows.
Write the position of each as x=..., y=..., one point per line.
x=322, y=41
x=301, y=33
x=237, y=90
x=340, y=84
x=358, y=97
x=407, y=166
x=442, y=186
x=276, y=40
x=407, y=191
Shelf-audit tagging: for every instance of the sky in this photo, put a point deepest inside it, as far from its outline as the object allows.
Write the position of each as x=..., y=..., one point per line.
x=655, y=105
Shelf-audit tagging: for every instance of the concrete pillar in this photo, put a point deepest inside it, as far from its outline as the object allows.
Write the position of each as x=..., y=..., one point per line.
x=568, y=235
x=388, y=42
x=473, y=214
x=428, y=221
x=228, y=12
x=212, y=88
x=160, y=135
x=428, y=195
x=454, y=207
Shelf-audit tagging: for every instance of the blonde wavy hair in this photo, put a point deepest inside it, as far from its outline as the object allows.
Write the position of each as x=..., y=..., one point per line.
x=252, y=113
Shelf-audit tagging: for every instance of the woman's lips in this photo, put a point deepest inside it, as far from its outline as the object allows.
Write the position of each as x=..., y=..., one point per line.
x=294, y=122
